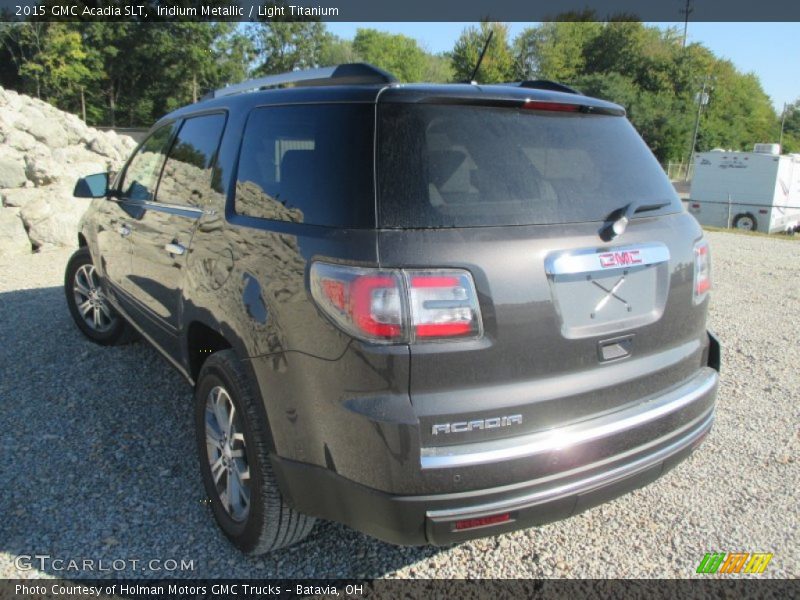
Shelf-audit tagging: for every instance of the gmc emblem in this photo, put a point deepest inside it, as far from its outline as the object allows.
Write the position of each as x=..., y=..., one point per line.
x=620, y=259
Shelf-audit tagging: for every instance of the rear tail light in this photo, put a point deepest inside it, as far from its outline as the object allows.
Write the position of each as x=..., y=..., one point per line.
x=702, y=271
x=398, y=306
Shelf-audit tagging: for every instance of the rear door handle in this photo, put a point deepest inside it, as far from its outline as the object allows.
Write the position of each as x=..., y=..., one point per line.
x=124, y=230
x=175, y=248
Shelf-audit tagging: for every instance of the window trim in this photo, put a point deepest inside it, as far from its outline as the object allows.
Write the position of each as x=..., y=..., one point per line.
x=120, y=179
x=156, y=203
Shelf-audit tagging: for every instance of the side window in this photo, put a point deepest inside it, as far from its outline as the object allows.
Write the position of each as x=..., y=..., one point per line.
x=187, y=177
x=141, y=176
x=308, y=164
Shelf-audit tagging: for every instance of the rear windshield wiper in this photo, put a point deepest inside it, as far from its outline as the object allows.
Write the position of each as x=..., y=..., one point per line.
x=618, y=220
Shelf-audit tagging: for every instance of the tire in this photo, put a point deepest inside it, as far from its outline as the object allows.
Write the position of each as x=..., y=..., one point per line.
x=258, y=520
x=100, y=322
x=745, y=222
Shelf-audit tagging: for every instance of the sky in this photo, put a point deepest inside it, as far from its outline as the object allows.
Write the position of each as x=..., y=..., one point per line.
x=770, y=50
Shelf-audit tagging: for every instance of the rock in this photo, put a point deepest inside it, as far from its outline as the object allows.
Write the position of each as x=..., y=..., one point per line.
x=13, y=99
x=52, y=217
x=43, y=151
x=20, y=197
x=13, y=239
x=12, y=173
x=77, y=131
x=102, y=145
x=42, y=169
x=48, y=131
x=20, y=140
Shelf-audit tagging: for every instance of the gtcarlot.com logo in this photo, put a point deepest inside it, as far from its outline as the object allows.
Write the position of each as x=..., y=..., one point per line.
x=45, y=562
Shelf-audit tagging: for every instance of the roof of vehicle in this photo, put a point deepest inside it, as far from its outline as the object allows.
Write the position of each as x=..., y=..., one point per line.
x=445, y=93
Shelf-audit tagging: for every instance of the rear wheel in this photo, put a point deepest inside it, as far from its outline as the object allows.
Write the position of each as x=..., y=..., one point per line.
x=233, y=445
x=745, y=222
x=88, y=305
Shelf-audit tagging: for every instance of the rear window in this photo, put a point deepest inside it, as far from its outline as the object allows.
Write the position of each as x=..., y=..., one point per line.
x=459, y=166
x=308, y=164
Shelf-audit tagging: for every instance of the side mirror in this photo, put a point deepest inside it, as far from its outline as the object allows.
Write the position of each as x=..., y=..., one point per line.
x=92, y=186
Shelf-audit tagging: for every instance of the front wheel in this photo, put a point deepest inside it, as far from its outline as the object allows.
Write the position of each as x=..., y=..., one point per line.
x=233, y=446
x=88, y=305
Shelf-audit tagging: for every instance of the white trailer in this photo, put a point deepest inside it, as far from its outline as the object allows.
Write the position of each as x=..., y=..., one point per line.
x=756, y=191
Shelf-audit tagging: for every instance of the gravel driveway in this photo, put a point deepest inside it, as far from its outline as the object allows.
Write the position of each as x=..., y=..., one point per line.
x=97, y=455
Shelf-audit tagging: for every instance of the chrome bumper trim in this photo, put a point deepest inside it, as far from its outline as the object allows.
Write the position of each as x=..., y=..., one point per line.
x=565, y=437
x=581, y=486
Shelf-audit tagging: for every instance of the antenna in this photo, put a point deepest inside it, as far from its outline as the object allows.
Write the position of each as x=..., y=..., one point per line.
x=480, y=59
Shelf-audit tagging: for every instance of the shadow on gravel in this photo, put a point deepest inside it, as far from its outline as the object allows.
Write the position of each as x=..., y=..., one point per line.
x=98, y=463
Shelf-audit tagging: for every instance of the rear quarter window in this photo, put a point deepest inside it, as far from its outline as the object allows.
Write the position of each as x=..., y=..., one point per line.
x=308, y=164
x=459, y=166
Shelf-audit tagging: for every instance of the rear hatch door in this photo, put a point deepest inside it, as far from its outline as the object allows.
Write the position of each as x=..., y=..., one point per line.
x=574, y=325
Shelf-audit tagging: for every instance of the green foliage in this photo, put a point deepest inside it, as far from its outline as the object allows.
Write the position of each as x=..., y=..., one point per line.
x=288, y=45
x=398, y=54
x=131, y=73
x=791, y=128
x=648, y=71
x=337, y=51
x=498, y=63
x=553, y=50
x=438, y=69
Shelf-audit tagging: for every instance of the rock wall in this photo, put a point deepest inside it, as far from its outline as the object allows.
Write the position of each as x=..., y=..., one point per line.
x=43, y=151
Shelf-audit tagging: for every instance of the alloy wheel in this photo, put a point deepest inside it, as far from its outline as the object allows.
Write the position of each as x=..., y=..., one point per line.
x=225, y=448
x=91, y=302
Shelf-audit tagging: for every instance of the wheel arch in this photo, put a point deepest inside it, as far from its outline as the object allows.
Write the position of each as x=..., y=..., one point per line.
x=202, y=339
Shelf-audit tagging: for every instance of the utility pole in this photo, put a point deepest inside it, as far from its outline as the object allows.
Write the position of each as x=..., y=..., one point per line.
x=686, y=12
x=702, y=100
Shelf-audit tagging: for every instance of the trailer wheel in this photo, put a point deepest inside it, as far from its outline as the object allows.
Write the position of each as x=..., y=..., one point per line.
x=745, y=222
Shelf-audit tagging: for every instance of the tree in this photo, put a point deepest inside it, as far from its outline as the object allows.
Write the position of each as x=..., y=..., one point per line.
x=337, y=51
x=791, y=127
x=553, y=50
x=283, y=46
x=398, y=54
x=438, y=69
x=498, y=63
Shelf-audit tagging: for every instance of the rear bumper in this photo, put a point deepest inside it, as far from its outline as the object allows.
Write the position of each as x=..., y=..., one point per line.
x=432, y=519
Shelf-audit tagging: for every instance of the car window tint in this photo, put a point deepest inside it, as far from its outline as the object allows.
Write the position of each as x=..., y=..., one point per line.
x=141, y=176
x=308, y=164
x=459, y=166
x=187, y=176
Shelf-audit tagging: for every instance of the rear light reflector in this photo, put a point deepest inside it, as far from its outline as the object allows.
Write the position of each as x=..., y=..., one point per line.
x=552, y=106
x=398, y=306
x=702, y=271
x=695, y=205
x=482, y=522
x=763, y=211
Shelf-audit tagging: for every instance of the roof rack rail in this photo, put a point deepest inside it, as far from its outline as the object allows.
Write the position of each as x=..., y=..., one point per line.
x=546, y=84
x=345, y=74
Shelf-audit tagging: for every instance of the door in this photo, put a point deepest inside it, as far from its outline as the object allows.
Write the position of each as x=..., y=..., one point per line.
x=575, y=324
x=118, y=216
x=164, y=231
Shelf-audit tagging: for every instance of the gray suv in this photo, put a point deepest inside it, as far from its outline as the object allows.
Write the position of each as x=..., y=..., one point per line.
x=430, y=312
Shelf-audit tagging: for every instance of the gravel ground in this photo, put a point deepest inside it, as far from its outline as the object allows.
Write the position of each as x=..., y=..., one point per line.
x=98, y=458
